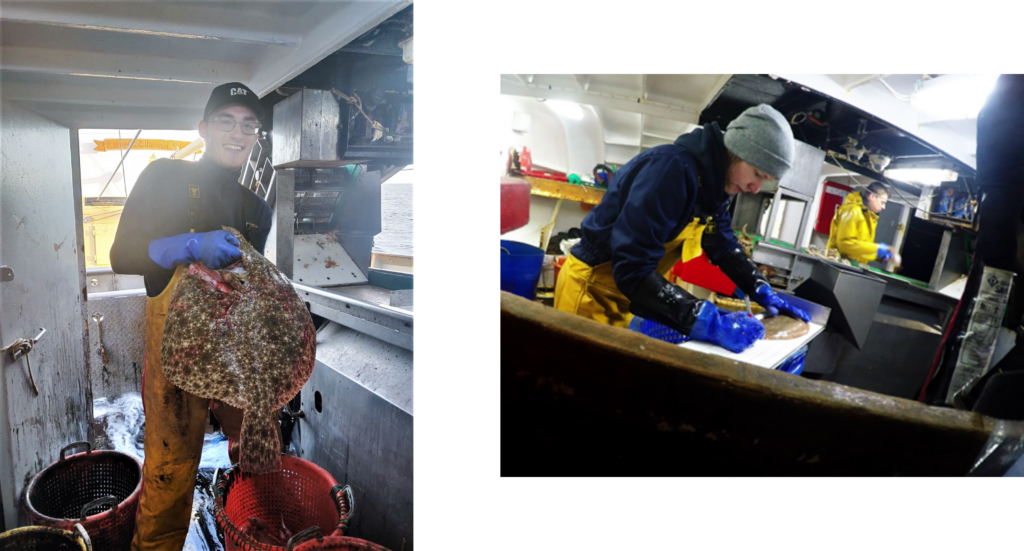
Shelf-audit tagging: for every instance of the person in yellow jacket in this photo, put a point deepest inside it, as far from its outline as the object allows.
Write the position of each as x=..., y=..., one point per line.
x=853, y=228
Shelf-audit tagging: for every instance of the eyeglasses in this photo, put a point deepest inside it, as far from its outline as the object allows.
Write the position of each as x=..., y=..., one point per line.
x=227, y=125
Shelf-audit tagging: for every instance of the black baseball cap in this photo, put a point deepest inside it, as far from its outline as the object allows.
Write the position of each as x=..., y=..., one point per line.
x=234, y=92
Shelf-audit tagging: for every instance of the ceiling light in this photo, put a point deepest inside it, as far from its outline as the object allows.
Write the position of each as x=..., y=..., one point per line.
x=951, y=97
x=567, y=109
x=923, y=176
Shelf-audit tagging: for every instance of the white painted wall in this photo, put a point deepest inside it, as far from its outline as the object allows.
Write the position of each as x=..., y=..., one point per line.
x=585, y=138
x=819, y=240
x=546, y=138
x=555, y=143
x=790, y=220
x=570, y=216
x=620, y=154
x=622, y=133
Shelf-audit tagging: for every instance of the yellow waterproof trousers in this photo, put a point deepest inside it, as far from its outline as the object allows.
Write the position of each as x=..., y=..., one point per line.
x=175, y=425
x=590, y=291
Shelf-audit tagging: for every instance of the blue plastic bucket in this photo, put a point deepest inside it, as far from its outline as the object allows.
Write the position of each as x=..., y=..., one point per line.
x=520, y=268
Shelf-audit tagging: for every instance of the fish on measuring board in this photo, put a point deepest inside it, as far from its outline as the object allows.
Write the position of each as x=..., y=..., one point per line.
x=243, y=336
x=778, y=328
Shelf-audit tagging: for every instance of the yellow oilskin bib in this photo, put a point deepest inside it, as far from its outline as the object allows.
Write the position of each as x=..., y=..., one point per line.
x=175, y=425
x=591, y=292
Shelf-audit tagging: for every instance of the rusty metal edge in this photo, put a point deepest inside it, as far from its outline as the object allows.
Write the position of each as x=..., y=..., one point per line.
x=901, y=420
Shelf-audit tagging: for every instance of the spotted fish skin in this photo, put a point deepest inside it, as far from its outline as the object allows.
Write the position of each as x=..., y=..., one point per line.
x=244, y=338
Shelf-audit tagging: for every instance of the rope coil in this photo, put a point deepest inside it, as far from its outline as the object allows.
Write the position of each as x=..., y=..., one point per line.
x=378, y=129
x=22, y=347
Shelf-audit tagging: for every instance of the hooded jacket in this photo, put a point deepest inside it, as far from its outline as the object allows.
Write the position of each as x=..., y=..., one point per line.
x=853, y=230
x=652, y=198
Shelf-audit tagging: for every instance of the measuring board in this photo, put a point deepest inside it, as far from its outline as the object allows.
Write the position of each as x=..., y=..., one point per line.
x=763, y=353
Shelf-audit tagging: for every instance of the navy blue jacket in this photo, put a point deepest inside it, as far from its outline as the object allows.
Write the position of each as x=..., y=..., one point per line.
x=652, y=198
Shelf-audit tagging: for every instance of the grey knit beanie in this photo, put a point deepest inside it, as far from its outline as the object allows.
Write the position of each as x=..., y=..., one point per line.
x=762, y=137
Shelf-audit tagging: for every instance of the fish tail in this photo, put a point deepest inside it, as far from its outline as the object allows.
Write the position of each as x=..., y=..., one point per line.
x=261, y=441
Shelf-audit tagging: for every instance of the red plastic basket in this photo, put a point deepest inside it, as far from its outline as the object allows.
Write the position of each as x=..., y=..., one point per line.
x=105, y=483
x=316, y=542
x=301, y=495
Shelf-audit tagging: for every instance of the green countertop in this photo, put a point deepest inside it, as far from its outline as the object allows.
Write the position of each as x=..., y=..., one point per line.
x=915, y=282
x=757, y=238
x=920, y=284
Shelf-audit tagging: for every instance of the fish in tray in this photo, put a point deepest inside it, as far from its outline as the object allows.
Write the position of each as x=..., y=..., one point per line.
x=243, y=336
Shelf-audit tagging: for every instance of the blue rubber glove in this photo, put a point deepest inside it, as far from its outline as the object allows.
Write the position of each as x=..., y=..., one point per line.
x=884, y=253
x=215, y=249
x=775, y=304
x=734, y=331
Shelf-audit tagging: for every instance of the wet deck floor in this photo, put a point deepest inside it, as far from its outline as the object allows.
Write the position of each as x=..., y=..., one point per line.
x=120, y=426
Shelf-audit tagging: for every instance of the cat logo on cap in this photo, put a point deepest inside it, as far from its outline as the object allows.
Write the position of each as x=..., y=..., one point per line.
x=239, y=92
x=193, y=192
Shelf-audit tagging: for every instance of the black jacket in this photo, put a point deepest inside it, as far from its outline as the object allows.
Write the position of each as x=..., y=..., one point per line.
x=159, y=207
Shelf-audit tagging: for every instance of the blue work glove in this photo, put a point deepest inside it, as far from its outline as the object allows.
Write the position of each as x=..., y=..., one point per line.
x=734, y=331
x=215, y=249
x=775, y=304
x=884, y=252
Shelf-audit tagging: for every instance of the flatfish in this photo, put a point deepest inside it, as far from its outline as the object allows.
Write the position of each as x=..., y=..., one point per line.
x=243, y=336
x=779, y=328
